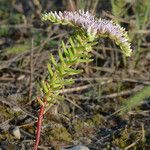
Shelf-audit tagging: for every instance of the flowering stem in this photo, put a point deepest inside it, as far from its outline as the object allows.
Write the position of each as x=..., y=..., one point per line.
x=39, y=124
x=78, y=51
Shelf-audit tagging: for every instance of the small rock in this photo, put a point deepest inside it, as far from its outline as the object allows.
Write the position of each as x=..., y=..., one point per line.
x=21, y=77
x=16, y=132
x=148, y=56
x=77, y=148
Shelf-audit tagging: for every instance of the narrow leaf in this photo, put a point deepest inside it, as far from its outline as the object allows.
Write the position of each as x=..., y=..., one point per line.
x=44, y=87
x=50, y=69
x=53, y=60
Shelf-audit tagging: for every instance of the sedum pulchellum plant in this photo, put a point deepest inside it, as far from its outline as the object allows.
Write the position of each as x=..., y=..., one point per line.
x=87, y=29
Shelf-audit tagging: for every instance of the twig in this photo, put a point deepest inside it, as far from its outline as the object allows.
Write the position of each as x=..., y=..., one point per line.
x=71, y=5
x=5, y=79
x=113, y=17
x=23, y=71
x=143, y=132
x=98, y=54
x=143, y=31
x=75, y=89
x=31, y=72
x=131, y=145
x=104, y=69
x=114, y=79
x=26, y=133
x=122, y=93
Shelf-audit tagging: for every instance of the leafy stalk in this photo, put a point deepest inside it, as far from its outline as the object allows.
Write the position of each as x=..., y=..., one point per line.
x=88, y=28
x=77, y=51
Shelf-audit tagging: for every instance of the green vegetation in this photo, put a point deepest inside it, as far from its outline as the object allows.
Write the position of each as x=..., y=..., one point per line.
x=18, y=48
x=136, y=100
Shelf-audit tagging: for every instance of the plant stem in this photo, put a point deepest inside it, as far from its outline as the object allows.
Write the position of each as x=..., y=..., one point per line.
x=39, y=124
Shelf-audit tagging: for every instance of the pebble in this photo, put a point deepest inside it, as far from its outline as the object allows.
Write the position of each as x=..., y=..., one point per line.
x=148, y=56
x=16, y=132
x=77, y=148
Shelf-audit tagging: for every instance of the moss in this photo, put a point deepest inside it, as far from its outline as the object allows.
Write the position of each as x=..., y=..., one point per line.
x=4, y=31
x=95, y=120
x=121, y=142
x=6, y=136
x=16, y=18
x=5, y=113
x=60, y=134
x=78, y=125
x=127, y=137
x=29, y=128
x=86, y=128
x=90, y=123
x=18, y=48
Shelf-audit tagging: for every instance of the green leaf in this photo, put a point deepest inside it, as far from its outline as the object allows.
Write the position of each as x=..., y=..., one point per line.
x=44, y=87
x=72, y=45
x=71, y=71
x=70, y=54
x=71, y=62
x=53, y=60
x=84, y=60
x=50, y=69
x=68, y=81
x=61, y=56
x=18, y=48
x=65, y=49
x=135, y=100
x=61, y=69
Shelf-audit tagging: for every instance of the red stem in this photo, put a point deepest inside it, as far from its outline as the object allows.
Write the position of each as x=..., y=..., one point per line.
x=39, y=124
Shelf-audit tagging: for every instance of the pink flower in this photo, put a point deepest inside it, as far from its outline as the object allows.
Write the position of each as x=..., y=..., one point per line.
x=92, y=26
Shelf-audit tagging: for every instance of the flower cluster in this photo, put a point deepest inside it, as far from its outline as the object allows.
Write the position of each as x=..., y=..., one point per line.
x=94, y=27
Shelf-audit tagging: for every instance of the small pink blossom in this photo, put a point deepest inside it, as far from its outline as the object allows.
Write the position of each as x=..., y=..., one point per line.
x=93, y=26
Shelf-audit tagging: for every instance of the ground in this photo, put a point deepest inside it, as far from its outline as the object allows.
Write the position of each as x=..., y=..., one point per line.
x=107, y=107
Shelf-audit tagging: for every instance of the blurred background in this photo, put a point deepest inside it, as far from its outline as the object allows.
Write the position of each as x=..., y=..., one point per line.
x=92, y=111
